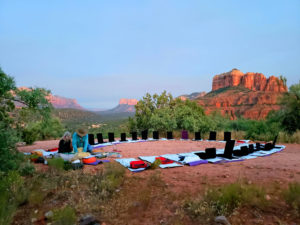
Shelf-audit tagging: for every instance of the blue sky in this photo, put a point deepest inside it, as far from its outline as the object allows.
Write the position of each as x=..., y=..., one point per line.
x=101, y=51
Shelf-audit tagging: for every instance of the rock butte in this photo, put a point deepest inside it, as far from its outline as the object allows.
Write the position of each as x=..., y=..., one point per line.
x=250, y=95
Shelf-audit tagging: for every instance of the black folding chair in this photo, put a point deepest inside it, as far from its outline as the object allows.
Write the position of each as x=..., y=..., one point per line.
x=155, y=135
x=169, y=135
x=111, y=137
x=212, y=135
x=123, y=137
x=91, y=139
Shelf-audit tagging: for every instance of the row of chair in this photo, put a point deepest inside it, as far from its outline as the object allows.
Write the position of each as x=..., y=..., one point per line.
x=229, y=153
x=144, y=134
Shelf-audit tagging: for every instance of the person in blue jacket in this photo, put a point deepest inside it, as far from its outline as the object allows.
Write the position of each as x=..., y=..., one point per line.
x=80, y=140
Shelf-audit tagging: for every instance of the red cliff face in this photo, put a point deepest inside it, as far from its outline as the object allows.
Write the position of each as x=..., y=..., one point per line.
x=62, y=102
x=250, y=95
x=252, y=81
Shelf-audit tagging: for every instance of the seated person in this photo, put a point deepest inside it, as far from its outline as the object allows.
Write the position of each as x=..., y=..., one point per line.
x=80, y=141
x=65, y=144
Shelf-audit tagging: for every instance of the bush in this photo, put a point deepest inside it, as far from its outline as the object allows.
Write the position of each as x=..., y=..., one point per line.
x=292, y=196
x=57, y=164
x=27, y=169
x=64, y=216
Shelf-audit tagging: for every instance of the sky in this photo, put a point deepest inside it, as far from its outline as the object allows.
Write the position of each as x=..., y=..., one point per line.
x=99, y=51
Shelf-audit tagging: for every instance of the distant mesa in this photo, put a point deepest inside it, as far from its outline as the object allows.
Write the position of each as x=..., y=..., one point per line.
x=125, y=101
x=125, y=106
x=60, y=102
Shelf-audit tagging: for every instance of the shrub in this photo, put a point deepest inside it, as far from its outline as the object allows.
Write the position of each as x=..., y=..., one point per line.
x=64, y=216
x=292, y=196
x=57, y=163
x=27, y=169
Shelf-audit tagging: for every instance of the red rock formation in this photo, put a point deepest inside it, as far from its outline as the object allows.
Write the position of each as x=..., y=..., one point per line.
x=62, y=102
x=252, y=81
x=125, y=101
x=250, y=95
x=57, y=101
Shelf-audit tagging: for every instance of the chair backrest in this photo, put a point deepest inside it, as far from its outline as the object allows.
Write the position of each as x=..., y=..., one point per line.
x=169, y=135
x=91, y=139
x=155, y=135
x=212, y=135
x=134, y=136
x=211, y=152
x=100, y=138
x=227, y=136
x=197, y=136
x=111, y=137
x=244, y=150
x=145, y=134
x=257, y=146
x=123, y=136
x=251, y=148
x=274, y=141
x=184, y=135
x=229, y=147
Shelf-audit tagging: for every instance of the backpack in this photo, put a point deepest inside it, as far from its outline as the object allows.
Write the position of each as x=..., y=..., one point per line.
x=138, y=164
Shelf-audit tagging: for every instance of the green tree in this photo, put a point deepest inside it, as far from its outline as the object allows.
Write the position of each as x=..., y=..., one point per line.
x=290, y=114
x=163, y=113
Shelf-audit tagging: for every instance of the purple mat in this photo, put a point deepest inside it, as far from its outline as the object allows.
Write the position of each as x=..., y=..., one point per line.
x=195, y=163
x=94, y=163
x=104, y=160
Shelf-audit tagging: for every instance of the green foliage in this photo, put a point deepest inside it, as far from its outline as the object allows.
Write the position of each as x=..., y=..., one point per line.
x=13, y=194
x=290, y=114
x=155, y=164
x=27, y=169
x=57, y=164
x=292, y=196
x=163, y=113
x=64, y=216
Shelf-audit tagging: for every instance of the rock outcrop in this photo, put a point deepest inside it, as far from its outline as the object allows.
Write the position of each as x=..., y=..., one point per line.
x=252, y=81
x=62, y=102
x=249, y=95
x=192, y=96
x=57, y=101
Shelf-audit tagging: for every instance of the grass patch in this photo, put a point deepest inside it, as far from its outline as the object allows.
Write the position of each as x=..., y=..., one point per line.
x=224, y=200
x=64, y=216
x=292, y=196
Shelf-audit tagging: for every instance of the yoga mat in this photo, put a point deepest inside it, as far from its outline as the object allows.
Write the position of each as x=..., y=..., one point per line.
x=151, y=160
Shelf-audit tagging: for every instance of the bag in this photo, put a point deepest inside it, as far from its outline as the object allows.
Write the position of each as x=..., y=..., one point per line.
x=164, y=160
x=138, y=164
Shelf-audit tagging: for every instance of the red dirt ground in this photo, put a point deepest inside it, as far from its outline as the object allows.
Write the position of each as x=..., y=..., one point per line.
x=281, y=168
